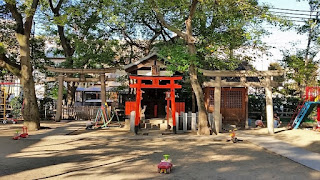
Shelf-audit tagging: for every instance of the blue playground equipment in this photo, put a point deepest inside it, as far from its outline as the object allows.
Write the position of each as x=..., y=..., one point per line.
x=303, y=110
x=304, y=113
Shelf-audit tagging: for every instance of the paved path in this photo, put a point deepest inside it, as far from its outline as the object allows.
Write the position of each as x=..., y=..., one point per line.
x=299, y=155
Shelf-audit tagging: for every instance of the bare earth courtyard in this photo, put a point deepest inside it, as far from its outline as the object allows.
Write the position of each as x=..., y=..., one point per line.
x=67, y=151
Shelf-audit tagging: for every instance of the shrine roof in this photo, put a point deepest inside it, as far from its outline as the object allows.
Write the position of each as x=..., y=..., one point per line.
x=134, y=65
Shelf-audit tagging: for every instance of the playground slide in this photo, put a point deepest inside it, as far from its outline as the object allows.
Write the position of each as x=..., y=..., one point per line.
x=304, y=112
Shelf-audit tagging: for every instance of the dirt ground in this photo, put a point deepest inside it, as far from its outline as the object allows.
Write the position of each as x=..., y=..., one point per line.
x=117, y=154
x=304, y=138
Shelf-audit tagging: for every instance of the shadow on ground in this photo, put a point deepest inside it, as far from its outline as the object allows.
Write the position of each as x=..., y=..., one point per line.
x=101, y=158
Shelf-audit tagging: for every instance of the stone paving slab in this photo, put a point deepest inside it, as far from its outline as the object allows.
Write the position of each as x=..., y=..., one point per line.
x=299, y=155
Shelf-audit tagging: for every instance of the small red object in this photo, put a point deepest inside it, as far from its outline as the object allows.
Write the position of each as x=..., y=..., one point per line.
x=164, y=167
x=25, y=132
x=16, y=138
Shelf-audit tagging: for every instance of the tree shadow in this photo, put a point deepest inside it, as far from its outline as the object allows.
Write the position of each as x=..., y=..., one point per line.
x=138, y=159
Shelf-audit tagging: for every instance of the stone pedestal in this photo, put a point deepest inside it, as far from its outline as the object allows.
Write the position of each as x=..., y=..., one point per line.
x=132, y=118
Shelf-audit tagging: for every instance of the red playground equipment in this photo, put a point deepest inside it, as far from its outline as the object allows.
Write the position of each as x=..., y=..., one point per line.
x=311, y=100
x=165, y=165
x=16, y=136
x=24, y=134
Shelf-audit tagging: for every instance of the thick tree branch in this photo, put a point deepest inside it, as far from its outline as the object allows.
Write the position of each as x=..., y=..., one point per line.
x=16, y=15
x=29, y=18
x=56, y=9
x=165, y=24
x=65, y=42
x=193, y=9
x=154, y=38
x=164, y=33
x=10, y=66
x=130, y=41
x=59, y=5
x=149, y=26
x=149, y=43
x=189, y=21
x=51, y=5
x=164, y=37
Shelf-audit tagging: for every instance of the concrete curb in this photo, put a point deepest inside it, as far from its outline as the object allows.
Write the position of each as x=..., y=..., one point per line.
x=299, y=155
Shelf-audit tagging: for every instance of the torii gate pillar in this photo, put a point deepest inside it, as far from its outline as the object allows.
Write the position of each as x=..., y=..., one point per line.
x=269, y=105
x=59, y=101
x=138, y=103
x=173, y=106
x=103, y=88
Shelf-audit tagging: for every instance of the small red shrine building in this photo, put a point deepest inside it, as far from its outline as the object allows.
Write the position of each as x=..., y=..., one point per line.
x=150, y=76
x=154, y=88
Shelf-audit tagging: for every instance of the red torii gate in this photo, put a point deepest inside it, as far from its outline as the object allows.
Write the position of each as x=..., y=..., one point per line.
x=155, y=84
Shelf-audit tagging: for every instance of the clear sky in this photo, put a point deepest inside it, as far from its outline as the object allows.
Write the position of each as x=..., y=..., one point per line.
x=280, y=40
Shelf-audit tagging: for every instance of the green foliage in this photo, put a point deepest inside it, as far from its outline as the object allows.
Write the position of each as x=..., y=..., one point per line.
x=94, y=52
x=8, y=42
x=257, y=104
x=301, y=67
x=176, y=56
x=61, y=20
x=53, y=92
x=223, y=31
x=311, y=27
x=299, y=71
x=85, y=27
x=2, y=48
x=279, y=79
x=16, y=104
x=38, y=56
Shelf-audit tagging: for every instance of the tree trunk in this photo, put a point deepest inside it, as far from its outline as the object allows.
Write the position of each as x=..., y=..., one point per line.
x=193, y=98
x=203, y=124
x=30, y=111
x=203, y=128
x=71, y=89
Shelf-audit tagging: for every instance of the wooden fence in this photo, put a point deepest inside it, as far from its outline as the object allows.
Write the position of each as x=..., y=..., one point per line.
x=281, y=114
x=79, y=112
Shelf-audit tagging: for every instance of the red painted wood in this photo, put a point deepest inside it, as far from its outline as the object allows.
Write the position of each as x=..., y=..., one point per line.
x=318, y=113
x=155, y=111
x=173, y=102
x=167, y=86
x=138, y=101
x=155, y=84
x=180, y=107
x=168, y=105
x=156, y=77
x=129, y=106
x=312, y=93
